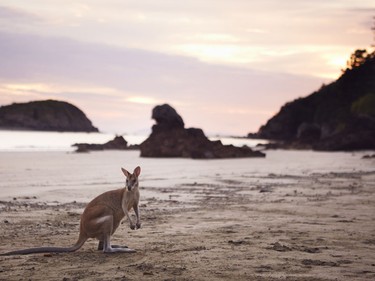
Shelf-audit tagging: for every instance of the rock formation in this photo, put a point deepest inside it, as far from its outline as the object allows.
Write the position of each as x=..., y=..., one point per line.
x=48, y=115
x=169, y=138
x=118, y=143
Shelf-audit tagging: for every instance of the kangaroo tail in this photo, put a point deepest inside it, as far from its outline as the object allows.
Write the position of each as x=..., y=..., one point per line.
x=75, y=247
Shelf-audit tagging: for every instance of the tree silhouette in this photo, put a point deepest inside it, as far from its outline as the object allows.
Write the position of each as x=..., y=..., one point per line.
x=360, y=56
x=357, y=58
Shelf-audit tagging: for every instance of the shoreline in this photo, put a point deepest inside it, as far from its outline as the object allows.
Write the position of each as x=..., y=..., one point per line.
x=22, y=141
x=293, y=215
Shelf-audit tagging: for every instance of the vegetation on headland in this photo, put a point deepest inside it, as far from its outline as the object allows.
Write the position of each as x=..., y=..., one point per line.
x=339, y=116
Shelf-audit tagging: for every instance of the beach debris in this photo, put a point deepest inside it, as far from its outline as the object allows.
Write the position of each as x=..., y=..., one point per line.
x=265, y=189
x=237, y=242
x=309, y=262
x=279, y=247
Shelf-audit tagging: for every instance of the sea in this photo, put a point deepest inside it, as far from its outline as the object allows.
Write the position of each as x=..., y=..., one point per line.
x=62, y=141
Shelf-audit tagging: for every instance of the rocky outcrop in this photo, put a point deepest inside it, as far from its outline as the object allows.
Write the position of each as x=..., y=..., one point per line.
x=48, y=115
x=169, y=138
x=368, y=156
x=118, y=143
x=339, y=116
x=166, y=118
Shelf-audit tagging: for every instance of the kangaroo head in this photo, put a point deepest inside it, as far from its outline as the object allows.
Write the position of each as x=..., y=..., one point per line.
x=131, y=179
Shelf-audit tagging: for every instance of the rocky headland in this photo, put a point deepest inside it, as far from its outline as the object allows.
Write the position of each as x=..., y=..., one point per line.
x=47, y=115
x=170, y=138
x=339, y=116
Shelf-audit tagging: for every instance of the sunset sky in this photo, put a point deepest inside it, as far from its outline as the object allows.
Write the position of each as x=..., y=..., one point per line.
x=225, y=66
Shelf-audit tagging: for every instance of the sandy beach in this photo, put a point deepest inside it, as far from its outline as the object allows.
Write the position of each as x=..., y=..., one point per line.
x=294, y=215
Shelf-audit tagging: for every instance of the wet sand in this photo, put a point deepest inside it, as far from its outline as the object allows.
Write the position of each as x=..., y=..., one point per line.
x=296, y=215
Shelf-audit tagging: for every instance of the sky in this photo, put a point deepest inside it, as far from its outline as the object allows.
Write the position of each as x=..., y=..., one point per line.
x=225, y=66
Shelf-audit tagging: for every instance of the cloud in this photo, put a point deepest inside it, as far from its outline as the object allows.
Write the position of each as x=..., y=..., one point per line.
x=17, y=15
x=240, y=33
x=127, y=82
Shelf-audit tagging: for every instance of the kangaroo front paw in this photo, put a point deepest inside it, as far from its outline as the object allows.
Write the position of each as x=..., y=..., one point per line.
x=138, y=225
x=132, y=226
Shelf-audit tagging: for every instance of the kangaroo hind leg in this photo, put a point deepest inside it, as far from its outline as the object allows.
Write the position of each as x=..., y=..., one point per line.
x=101, y=246
x=107, y=229
x=107, y=248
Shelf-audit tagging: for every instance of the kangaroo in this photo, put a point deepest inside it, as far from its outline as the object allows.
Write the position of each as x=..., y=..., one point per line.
x=101, y=218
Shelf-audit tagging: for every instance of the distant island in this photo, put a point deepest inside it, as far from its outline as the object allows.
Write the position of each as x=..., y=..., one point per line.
x=339, y=116
x=47, y=115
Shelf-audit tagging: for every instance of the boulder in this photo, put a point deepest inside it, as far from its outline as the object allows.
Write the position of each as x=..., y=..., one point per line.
x=368, y=156
x=169, y=138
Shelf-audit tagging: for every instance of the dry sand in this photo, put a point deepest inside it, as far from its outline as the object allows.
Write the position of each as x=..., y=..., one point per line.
x=295, y=215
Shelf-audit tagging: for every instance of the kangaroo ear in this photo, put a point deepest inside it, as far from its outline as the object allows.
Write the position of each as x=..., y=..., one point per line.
x=126, y=173
x=137, y=171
